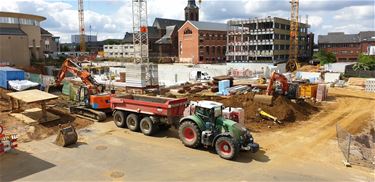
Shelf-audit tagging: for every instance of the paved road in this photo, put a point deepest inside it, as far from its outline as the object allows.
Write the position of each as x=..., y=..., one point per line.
x=107, y=153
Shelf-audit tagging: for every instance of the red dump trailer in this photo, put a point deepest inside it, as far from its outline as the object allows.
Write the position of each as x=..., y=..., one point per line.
x=145, y=113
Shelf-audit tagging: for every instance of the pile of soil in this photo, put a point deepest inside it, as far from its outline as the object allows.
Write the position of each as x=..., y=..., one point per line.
x=282, y=108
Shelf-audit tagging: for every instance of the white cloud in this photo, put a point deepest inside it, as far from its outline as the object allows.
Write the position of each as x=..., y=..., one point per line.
x=324, y=15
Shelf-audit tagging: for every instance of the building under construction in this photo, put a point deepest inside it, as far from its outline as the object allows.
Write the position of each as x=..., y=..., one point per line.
x=265, y=40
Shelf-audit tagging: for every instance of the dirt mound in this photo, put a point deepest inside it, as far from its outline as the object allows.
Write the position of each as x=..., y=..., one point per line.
x=284, y=109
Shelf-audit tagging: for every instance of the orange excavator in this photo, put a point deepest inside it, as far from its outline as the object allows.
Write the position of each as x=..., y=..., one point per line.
x=271, y=89
x=92, y=103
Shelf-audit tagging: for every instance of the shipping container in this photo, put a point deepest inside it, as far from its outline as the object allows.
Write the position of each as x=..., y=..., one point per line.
x=8, y=73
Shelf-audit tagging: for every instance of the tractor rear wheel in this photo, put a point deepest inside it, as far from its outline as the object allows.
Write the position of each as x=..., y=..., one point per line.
x=189, y=134
x=132, y=122
x=227, y=148
x=147, y=127
x=119, y=119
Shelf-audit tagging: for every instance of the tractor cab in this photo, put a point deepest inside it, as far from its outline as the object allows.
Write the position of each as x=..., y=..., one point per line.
x=209, y=111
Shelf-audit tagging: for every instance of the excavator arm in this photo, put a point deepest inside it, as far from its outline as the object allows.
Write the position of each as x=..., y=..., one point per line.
x=280, y=78
x=72, y=67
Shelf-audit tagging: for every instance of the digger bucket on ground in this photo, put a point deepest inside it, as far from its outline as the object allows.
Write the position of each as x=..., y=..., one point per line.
x=67, y=136
x=54, y=89
x=264, y=99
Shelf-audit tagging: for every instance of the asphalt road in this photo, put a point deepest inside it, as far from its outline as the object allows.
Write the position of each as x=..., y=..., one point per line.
x=106, y=153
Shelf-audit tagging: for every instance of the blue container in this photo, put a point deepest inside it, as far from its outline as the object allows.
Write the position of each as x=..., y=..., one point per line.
x=8, y=73
x=223, y=85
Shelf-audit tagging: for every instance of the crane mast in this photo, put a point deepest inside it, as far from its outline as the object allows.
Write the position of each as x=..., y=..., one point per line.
x=81, y=21
x=294, y=29
x=140, y=31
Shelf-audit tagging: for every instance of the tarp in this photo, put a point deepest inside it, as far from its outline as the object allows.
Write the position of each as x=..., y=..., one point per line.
x=21, y=85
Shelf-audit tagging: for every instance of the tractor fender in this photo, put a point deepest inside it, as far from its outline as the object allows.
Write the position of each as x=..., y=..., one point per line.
x=226, y=134
x=194, y=119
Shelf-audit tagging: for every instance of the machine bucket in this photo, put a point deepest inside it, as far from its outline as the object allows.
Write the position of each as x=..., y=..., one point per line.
x=67, y=136
x=264, y=99
x=54, y=89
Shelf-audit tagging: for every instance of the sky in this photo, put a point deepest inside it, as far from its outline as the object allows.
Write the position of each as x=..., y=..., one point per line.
x=112, y=18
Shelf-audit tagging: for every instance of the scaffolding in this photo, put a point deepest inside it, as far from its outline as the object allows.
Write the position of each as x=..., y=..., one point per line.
x=261, y=40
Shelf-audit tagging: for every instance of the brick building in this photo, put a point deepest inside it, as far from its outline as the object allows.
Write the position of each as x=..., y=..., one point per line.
x=347, y=47
x=202, y=42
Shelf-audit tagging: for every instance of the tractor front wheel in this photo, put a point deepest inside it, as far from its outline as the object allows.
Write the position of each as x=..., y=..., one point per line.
x=227, y=148
x=189, y=134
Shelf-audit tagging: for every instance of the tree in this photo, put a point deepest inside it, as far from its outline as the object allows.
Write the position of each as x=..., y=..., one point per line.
x=64, y=48
x=365, y=62
x=325, y=57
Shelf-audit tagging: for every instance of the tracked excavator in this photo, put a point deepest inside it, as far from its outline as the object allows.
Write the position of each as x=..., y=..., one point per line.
x=284, y=88
x=92, y=103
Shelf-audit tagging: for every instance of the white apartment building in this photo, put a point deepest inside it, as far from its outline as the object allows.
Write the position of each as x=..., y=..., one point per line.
x=118, y=51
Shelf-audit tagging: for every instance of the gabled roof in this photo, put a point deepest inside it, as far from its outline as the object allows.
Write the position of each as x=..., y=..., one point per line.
x=44, y=31
x=162, y=23
x=167, y=38
x=153, y=33
x=11, y=31
x=208, y=25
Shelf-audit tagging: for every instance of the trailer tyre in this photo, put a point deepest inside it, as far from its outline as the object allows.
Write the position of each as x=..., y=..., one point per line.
x=147, y=127
x=227, y=148
x=119, y=119
x=132, y=122
x=189, y=134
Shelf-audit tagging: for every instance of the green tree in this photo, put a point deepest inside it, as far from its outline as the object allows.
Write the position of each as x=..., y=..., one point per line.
x=365, y=62
x=65, y=48
x=325, y=57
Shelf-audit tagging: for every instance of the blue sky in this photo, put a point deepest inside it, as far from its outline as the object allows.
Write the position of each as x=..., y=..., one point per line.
x=112, y=18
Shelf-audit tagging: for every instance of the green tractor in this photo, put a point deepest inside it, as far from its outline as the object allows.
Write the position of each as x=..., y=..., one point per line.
x=207, y=127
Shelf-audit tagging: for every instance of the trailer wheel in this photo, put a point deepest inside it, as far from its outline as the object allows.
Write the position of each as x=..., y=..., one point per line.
x=147, y=127
x=119, y=119
x=189, y=134
x=132, y=122
x=227, y=148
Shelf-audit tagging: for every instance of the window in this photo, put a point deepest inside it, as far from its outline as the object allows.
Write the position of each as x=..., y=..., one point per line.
x=187, y=31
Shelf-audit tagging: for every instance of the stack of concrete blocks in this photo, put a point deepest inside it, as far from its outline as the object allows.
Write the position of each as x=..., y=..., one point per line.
x=141, y=75
x=370, y=85
x=322, y=92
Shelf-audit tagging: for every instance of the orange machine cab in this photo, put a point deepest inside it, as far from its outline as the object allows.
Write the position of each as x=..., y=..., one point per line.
x=101, y=101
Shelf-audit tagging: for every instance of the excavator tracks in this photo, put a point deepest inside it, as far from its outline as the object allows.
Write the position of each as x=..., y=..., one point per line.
x=88, y=113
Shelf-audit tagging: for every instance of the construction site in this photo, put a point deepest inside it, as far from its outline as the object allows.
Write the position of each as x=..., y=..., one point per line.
x=238, y=101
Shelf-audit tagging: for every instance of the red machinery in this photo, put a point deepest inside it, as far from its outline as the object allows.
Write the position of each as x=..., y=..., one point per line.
x=7, y=142
x=281, y=79
x=93, y=102
x=147, y=113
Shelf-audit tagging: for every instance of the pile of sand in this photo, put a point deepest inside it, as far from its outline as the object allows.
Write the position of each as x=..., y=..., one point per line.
x=284, y=109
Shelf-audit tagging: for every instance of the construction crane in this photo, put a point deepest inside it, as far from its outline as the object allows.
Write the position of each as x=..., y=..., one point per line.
x=140, y=31
x=292, y=64
x=81, y=21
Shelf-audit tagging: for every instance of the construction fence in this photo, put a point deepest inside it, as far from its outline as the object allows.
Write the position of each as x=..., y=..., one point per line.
x=357, y=149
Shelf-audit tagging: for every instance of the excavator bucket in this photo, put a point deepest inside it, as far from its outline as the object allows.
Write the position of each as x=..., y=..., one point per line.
x=67, y=136
x=264, y=99
x=54, y=89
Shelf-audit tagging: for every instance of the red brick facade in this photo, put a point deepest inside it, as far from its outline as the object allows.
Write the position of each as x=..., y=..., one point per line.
x=201, y=46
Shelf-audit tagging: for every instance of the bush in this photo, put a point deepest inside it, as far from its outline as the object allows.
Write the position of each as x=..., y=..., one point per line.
x=365, y=62
x=325, y=57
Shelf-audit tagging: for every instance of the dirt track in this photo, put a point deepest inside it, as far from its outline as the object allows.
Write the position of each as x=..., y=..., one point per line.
x=315, y=139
